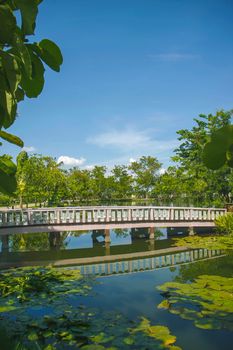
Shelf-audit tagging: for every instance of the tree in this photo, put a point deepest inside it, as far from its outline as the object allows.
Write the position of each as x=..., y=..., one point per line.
x=189, y=157
x=171, y=185
x=21, y=71
x=145, y=172
x=40, y=179
x=20, y=175
x=100, y=183
x=79, y=184
x=121, y=182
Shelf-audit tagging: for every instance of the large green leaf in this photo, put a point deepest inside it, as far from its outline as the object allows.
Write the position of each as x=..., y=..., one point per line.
x=3, y=80
x=11, y=69
x=29, y=10
x=8, y=169
x=51, y=54
x=34, y=86
x=8, y=24
x=19, y=94
x=214, y=156
x=8, y=109
x=22, y=52
x=218, y=151
x=8, y=183
x=7, y=166
x=11, y=138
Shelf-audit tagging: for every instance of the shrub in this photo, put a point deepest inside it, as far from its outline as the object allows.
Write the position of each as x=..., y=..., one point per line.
x=224, y=223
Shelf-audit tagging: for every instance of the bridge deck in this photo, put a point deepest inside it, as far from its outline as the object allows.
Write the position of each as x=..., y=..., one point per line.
x=108, y=217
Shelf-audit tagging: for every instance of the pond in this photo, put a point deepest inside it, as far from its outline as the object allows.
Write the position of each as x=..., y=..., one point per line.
x=123, y=303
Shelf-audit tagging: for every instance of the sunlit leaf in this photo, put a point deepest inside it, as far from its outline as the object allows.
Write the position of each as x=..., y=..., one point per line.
x=11, y=138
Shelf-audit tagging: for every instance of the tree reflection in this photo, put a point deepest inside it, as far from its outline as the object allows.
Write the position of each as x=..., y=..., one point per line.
x=42, y=241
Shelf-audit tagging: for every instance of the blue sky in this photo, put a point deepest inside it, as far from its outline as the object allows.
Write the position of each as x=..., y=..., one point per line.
x=134, y=72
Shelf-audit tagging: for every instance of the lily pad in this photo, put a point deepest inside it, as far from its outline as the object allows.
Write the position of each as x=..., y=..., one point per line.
x=208, y=301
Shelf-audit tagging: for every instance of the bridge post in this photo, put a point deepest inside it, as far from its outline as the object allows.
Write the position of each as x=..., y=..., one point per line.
x=129, y=214
x=191, y=231
x=58, y=215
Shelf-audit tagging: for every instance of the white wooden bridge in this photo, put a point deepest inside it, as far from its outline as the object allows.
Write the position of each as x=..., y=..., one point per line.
x=105, y=217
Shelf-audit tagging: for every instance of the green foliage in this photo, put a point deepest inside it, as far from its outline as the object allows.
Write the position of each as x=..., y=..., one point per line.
x=208, y=242
x=145, y=174
x=21, y=70
x=207, y=301
x=191, y=175
x=224, y=223
x=40, y=179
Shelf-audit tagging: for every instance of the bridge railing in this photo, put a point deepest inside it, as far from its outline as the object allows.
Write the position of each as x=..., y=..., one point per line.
x=92, y=215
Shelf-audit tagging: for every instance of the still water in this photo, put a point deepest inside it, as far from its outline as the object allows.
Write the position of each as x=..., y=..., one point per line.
x=127, y=285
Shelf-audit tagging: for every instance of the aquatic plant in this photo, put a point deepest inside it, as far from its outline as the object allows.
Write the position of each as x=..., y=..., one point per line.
x=208, y=242
x=38, y=285
x=87, y=330
x=158, y=332
x=40, y=310
x=207, y=301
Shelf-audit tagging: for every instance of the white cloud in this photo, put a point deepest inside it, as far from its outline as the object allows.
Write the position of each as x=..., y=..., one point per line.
x=173, y=56
x=29, y=149
x=131, y=160
x=162, y=171
x=89, y=167
x=69, y=161
x=136, y=142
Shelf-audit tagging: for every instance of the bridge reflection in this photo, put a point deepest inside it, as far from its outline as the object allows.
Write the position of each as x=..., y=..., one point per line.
x=139, y=249
x=150, y=263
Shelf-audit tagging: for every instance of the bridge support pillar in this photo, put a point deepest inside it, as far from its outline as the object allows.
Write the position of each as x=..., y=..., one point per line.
x=107, y=241
x=191, y=231
x=107, y=248
x=5, y=243
x=151, y=232
x=151, y=244
x=151, y=238
x=107, y=238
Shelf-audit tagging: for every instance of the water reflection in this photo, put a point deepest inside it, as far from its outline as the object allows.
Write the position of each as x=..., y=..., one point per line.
x=81, y=247
x=78, y=239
